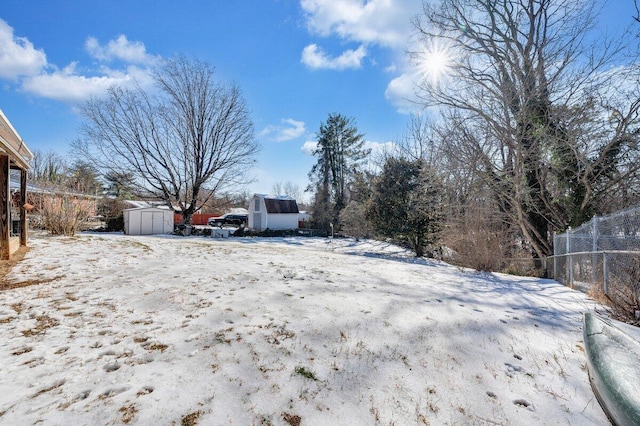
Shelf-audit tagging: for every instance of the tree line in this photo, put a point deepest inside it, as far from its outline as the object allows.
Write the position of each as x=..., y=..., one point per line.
x=533, y=128
x=402, y=201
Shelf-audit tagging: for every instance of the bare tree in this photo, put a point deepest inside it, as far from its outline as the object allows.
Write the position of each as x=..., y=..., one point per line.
x=289, y=189
x=190, y=133
x=518, y=104
x=278, y=188
x=419, y=141
x=47, y=168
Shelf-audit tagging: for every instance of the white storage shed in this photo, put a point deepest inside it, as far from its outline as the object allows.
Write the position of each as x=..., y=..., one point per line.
x=148, y=221
x=272, y=212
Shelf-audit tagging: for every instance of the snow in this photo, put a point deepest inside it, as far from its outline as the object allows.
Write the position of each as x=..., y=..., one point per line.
x=162, y=330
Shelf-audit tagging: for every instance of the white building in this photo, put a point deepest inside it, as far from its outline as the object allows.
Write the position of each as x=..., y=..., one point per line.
x=272, y=212
x=148, y=221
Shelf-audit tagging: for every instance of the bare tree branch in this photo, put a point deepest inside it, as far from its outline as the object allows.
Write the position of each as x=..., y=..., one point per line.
x=191, y=133
x=519, y=105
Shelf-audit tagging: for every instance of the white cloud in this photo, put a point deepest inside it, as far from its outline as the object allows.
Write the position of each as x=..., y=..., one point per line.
x=291, y=129
x=383, y=22
x=28, y=66
x=401, y=92
x=391, y=68
x=316, y=58
x=18, y=57
x=67, y=85
x=309, y=147
x=119, y=48
x=378, y=149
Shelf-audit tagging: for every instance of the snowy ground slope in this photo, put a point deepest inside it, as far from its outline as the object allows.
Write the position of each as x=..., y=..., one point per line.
x=154, y=330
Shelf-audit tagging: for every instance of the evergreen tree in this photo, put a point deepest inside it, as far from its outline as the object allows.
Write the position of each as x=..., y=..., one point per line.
x=83, y=177
x=340, y=152
x=405, y=204
x=120, y=185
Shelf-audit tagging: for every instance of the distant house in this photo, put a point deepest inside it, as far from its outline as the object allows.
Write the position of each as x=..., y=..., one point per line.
x=39, y=195
x=304, y=219
x=14, y=156
x=272, y=212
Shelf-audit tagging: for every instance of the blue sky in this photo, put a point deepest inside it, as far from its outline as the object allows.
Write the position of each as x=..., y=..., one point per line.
x=295, y=61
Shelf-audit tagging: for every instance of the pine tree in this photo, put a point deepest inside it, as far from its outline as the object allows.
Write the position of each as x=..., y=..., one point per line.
x=340, y=152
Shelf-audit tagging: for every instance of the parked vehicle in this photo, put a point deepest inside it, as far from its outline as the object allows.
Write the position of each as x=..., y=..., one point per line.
x=228, y=219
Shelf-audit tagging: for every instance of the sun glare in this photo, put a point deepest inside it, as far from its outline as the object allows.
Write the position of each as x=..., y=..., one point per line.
x=436, y=62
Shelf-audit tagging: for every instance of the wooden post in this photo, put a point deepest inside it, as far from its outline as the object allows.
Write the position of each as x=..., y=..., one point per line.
x=23, y=209
x=5, y=205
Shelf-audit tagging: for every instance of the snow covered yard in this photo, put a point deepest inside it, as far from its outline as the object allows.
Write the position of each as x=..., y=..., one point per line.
x=170, y=330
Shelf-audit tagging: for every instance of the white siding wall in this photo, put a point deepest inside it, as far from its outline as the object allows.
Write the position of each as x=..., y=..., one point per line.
x=282, y=221
x=148, y=221
x=257, y=214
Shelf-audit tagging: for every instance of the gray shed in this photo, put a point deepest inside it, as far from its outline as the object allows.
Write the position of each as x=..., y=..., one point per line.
x=147, y=221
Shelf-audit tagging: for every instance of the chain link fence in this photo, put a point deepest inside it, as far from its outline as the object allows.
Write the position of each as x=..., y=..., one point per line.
x=602, y=257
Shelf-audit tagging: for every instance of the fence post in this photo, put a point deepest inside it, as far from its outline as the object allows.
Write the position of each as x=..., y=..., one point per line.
x=605, y=273
x=569, y=261
x=555, y=253
x=594, y=249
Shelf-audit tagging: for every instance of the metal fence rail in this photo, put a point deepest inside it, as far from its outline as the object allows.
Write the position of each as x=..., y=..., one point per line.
x=602, y=256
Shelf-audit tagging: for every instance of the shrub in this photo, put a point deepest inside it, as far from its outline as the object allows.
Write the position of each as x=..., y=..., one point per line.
x=63, y=215
x=115, y=224
x=354, y=221
x=271, y=233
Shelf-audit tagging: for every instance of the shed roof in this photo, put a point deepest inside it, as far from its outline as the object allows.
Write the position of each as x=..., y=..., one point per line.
x=142, y=208
x=281, y=205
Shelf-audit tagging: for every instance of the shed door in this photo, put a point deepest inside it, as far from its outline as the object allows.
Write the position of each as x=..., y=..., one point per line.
x=257, y=221
x=146, y=223
x=158, y=223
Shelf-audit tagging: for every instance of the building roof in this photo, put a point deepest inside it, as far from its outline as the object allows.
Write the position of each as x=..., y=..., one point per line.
x=156, y=208
x=137, y=203
x=281, y=205
x=238, y=210
x=14, y=186
x=145, y=204
x=12, y=144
